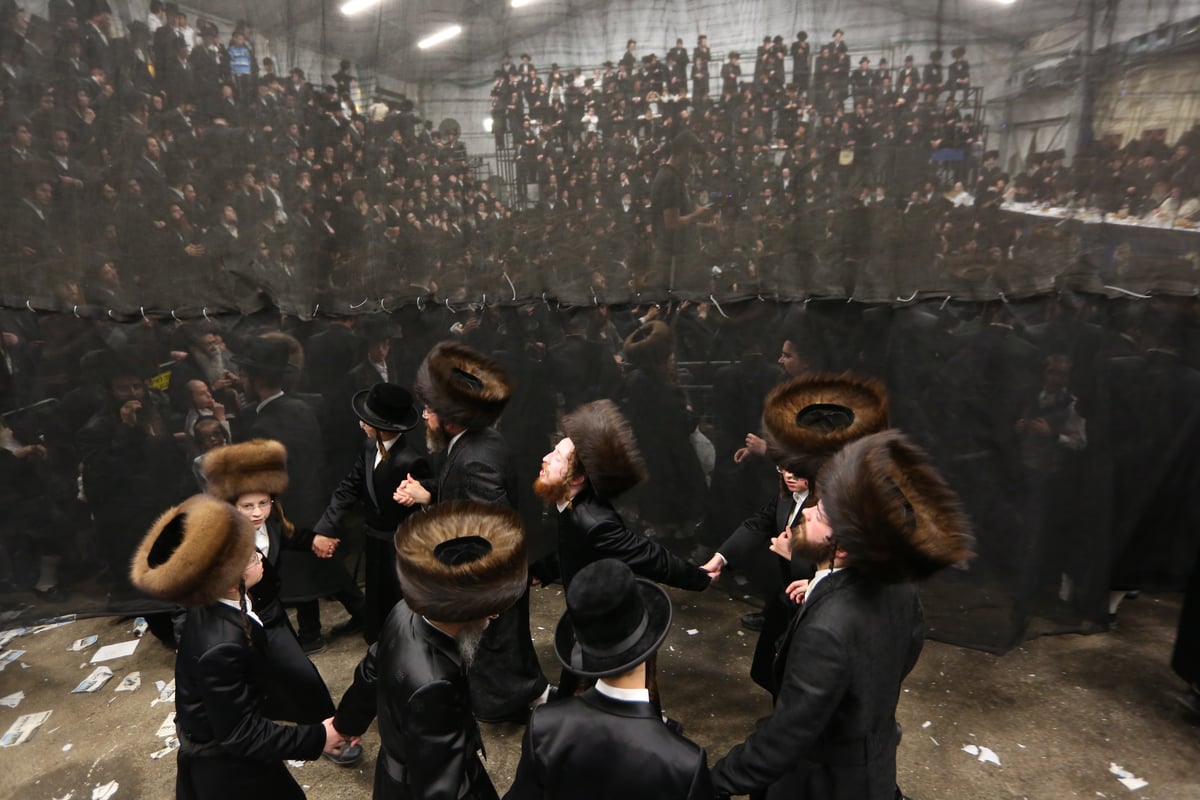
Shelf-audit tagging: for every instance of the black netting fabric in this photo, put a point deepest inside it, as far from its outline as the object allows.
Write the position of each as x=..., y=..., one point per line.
x=993, y=207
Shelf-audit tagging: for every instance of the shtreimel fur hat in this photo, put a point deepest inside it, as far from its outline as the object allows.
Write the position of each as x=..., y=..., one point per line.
x=259, y=465
x=811, y=417
x=462, y=561
x=891, y=510
x=194, y=552
x=605, y=448
x=463, y=385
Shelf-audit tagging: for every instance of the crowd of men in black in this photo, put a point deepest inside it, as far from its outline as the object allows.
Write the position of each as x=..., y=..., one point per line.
x=170, y=162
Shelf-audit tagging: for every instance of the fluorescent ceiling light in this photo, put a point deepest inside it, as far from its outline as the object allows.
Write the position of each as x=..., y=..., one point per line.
x=519, y=3
x=355, y=6
x=439, y=37
x=1005, y=2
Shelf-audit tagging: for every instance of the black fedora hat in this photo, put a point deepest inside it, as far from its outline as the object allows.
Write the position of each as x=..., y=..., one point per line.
x=613, y=620
x=267, y=355
x=387, y=407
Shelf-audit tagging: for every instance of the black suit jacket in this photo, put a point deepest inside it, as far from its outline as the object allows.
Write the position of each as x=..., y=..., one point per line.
x=413, y=679
x=220, y=682
x=833, y=733
x=629, y=755
x=478, y=467
x=374, y=486
x=590, y=529
x=290, y=421
x=748, y=549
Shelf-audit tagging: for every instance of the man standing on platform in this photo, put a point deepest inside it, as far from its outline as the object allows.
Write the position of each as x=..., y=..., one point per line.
x=464, y=393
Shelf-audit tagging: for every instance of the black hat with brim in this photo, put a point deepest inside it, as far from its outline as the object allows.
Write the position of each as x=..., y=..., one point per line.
x=266, y=355
x=386, y=407
x=613, y=620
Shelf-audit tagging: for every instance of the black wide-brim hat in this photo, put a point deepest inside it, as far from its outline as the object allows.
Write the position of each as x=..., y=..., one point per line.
x=268, y=355
x=613, y=620
x=386, y=407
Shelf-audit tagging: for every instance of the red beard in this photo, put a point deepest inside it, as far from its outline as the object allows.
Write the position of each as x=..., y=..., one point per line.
x=552, y=492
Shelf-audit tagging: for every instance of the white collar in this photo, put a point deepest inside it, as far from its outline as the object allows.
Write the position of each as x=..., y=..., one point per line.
x=624, y=695
x=821, y=575
x=454, y=440
x=387, y=445
x=225, y=601
x=263, y=404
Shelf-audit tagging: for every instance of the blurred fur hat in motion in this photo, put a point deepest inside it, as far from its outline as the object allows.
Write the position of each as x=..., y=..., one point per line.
x=605, y=448
x=194, y=552
x=811, y=417
x=891, y=510
x=462, y=385
x=462, y=561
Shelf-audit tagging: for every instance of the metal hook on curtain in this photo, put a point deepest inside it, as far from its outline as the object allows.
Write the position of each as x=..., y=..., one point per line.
x=1003, y=299
x=942, y=307
x=908, y=299
x=360, y=305
x=718, y=306
x=383, y=307
x=29, y=305
x=204, y=311
x=450, y=307
x=75, y=311
x=143, y=310
x=420, y=301
x=1128, y=292
x=173, y=315
x=510, y=285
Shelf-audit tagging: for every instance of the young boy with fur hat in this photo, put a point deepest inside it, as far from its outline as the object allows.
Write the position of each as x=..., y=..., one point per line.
x=250, y=476
x=609, y=742
x=201, y=554
x=885, y=521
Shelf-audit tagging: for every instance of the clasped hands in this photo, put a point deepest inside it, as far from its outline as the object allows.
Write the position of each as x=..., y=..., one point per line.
x=335, y=741
x=411, y=492
x=323, y=546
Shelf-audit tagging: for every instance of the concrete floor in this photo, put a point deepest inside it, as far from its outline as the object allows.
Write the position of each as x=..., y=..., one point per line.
x=1056, y=712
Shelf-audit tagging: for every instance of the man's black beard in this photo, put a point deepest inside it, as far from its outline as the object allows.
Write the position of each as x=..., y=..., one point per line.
x=820, y=553
x=436, y=439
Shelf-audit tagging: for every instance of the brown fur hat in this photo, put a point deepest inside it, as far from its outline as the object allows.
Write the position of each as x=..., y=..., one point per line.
x=811, y=417
x=650, y=344
x=463, y=385
x=462, y=561
x=892, y=511
x=259, y=465
x=605, y=448
x=194, y=552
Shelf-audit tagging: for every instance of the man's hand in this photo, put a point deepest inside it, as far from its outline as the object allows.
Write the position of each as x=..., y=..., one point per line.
x=323, y=546
x=129, y=412
x=796, y=591
x=781, y=545
x=755, y=446
x=411, y=492
x=333, y=739
x=714, y=566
